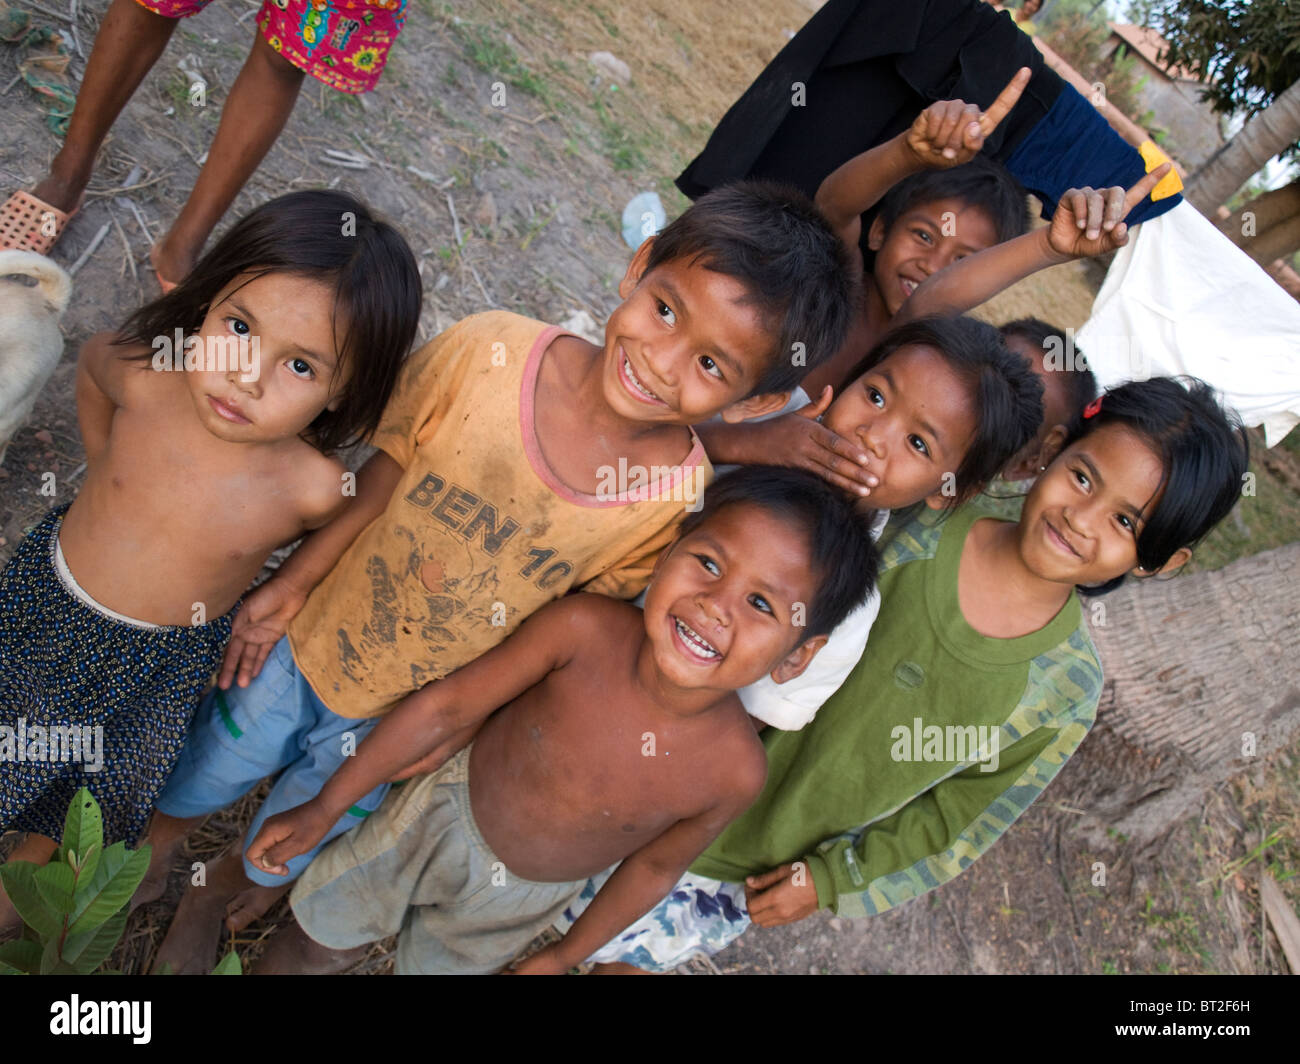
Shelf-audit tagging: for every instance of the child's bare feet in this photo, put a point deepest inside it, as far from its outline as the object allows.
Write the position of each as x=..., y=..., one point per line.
x=291, y=952
x=190, y=947
x=166, y=834
x=252, y=903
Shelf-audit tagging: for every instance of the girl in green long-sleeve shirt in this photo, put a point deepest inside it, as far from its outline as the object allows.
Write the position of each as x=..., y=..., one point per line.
x=979, y=680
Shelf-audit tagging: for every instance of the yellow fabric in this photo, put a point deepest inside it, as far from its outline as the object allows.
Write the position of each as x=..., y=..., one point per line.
x=1168, y=185
x=479, y=532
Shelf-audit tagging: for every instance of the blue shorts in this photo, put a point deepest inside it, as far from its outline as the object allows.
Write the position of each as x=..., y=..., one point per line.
x=247, y=733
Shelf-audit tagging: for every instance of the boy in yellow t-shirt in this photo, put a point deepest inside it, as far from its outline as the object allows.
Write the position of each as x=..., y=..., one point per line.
x=516, y=463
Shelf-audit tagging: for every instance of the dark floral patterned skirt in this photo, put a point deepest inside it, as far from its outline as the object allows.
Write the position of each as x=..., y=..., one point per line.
x=87, y=700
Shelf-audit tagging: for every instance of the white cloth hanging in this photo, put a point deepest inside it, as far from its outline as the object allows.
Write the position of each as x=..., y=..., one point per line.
x=1180, y=298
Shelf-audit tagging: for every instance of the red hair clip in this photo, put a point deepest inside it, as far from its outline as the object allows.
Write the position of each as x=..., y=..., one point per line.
x=1093, y=408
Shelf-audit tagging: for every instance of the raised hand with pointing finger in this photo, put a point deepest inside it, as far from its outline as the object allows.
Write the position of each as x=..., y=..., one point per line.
x=1090, y=221
x=1087, y=222
x=946, y=134
x=951, y=132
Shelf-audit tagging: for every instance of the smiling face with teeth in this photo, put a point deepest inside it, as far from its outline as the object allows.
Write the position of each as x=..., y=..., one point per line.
x=923, y=240
x=685, y=344
x=720, y=612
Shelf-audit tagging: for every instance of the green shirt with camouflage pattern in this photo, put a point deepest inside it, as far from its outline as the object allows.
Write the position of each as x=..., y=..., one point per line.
x=937, y=741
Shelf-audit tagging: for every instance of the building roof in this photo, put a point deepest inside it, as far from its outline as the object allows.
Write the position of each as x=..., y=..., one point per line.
x=1149, y=44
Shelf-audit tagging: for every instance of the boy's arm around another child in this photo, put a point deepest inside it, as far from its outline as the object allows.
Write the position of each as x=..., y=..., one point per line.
x=441, y=717
x=1087, y=222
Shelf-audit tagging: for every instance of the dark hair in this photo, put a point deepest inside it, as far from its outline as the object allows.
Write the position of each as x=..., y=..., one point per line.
x=1005, y=391
x=979, y=183
x=1081, y=385
x=842, y=552
x=309, y=233
x=771, y=239
x=1203, y=450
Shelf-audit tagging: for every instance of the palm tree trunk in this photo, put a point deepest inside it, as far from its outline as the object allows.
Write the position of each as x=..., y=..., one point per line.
x=1202, y=680
x=1275, y=243
x=1268, y=227
x=1265, y=211
x=1271, y=131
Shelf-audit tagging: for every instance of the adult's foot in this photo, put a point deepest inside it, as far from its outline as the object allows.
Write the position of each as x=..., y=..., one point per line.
x=291, y=952
x=171, y=262
x=61, y=191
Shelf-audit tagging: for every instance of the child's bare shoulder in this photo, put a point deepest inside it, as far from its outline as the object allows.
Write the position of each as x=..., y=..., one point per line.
x=740, y=758
x=117, y=369
x=592, y=617
x=324, y=484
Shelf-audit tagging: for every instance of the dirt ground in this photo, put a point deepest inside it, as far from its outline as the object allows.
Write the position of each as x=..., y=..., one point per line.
x=519, y=207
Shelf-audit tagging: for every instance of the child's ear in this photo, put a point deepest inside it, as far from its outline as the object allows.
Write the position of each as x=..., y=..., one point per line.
x=1051, y=447
x=1176, y=561
x=635, y=268
x=876, y=234
x=754, y=406
x=945, y=495
x=798, y=659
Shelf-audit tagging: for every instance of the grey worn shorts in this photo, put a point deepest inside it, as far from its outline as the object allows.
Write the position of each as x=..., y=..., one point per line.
x=418, y=867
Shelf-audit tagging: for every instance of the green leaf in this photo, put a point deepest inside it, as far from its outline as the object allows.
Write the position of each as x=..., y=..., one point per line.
x=19, y=879
x=87, y=952
x=229, y=965
x=50, y=956
x=55, y=882
x=117, y=875
x=84, y=825
x=22, y=956
x=9, y=969
x=88, y=862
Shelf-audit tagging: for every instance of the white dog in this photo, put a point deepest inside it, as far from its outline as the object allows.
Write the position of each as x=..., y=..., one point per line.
x=30, y=342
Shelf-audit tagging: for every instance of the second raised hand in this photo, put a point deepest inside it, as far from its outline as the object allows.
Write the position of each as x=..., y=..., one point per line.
x=951, y=132
x=1090, y=221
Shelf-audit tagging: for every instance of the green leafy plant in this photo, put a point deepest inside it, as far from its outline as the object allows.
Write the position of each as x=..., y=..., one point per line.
x=75, y=907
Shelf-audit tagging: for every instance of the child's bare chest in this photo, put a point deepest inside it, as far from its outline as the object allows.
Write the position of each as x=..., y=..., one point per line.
x=173, y=476
x=590, y=774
